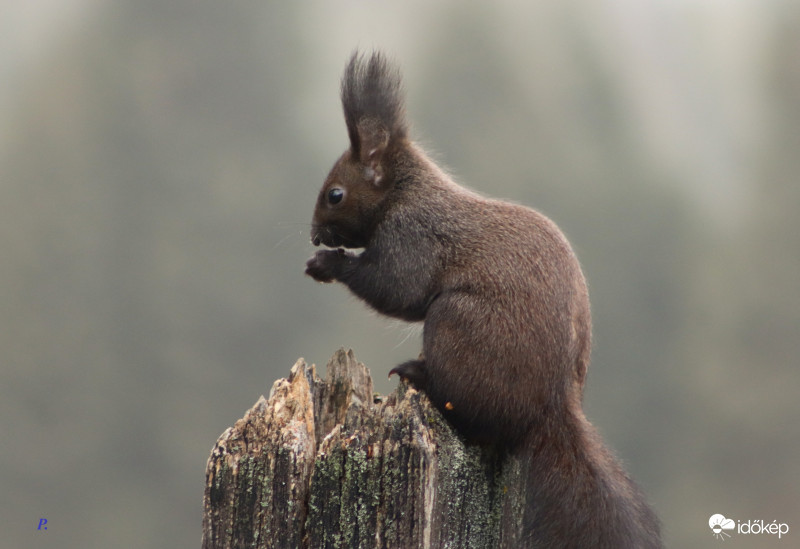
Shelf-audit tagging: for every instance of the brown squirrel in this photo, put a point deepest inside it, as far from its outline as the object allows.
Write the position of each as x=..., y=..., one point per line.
x=507, y=331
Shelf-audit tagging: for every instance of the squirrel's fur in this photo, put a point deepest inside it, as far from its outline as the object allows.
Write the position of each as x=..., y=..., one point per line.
x=507, y=334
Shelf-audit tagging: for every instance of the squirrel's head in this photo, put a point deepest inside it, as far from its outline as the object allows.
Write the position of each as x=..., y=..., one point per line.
x=354, y=195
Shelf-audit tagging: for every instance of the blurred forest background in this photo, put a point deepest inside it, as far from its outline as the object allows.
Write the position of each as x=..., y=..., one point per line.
x=159, y=163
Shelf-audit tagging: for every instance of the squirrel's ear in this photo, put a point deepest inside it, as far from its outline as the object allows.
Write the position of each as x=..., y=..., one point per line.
x=373, y=141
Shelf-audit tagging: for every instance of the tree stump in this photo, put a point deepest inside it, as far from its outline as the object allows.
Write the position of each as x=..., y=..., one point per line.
x=329, y=464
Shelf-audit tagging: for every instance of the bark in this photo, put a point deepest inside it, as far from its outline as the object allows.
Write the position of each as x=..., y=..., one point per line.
x=329, y=464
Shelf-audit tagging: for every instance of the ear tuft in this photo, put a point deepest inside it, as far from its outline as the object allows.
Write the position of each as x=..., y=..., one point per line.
x=373, y=106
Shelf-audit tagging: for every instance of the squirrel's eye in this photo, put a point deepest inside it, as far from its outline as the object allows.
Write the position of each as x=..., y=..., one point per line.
x=335, y=195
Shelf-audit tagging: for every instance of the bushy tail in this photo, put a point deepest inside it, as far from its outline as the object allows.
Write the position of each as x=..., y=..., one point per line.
x=580, y=497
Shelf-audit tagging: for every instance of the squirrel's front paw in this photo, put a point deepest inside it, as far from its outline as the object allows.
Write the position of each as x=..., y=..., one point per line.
x=324, y=265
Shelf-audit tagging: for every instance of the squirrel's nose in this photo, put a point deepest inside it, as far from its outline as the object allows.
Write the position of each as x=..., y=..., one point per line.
x=315, y=240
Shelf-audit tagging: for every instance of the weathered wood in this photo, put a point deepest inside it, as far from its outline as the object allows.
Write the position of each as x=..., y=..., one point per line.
x=328, y=464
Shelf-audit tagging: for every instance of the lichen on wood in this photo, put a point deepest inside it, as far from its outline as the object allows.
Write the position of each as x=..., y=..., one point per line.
x=328, y=464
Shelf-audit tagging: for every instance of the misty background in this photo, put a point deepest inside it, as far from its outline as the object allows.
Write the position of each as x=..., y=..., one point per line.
x=159, y=163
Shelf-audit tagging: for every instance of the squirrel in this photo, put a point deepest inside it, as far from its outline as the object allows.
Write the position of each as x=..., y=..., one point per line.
x=507, y=323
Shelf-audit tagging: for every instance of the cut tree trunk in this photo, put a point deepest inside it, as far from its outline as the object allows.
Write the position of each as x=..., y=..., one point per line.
x=329, y=464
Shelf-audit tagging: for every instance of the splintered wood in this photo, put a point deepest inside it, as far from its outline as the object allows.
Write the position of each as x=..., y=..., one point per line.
x=326, y=463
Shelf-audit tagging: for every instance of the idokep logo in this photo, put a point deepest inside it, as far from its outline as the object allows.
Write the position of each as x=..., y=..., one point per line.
x=722, y=527
x=718, y=525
